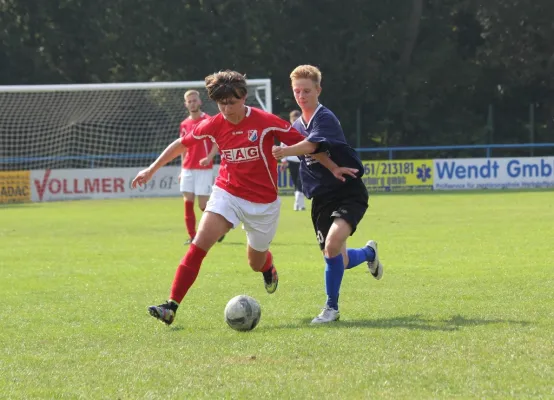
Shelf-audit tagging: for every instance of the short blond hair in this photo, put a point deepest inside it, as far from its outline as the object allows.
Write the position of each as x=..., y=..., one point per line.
x=191, y=92
x=307, y=72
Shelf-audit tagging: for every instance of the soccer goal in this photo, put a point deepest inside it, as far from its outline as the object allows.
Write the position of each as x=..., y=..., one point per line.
x=98, y=125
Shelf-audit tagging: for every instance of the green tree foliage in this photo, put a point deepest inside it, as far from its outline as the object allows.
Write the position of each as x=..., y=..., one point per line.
x=519, y=48
x=419, y=72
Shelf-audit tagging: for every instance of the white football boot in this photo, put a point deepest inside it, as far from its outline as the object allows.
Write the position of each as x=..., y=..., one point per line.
x=375, y=266
x=328, y=314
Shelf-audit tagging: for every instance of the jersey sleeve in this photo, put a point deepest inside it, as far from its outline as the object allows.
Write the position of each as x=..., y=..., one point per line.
x=326, y=131
x=284, y=132
x=204, y=130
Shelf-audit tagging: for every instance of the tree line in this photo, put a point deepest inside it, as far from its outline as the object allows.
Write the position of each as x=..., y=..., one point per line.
x=396, y=72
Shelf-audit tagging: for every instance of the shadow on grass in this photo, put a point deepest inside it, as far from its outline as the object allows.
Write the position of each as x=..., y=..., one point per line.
x=412, y=322
x=176, y=328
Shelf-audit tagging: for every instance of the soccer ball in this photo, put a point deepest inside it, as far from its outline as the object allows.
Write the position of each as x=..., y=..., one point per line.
x=242, y=313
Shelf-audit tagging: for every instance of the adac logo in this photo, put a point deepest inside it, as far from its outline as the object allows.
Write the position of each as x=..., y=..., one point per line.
x=252, y=135
x=423, y=173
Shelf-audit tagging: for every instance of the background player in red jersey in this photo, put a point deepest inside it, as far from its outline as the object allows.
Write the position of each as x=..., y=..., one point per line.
x=245, y=189
x=196, y=177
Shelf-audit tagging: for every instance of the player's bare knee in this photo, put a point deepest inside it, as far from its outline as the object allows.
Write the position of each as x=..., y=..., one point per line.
x=202, y=202
x=204, y=240
x=332, y=247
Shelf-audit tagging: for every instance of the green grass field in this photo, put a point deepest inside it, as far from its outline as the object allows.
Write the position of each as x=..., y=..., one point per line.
x=465, y=308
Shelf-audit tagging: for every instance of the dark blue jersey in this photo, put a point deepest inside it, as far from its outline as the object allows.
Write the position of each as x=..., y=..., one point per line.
x=324, y=128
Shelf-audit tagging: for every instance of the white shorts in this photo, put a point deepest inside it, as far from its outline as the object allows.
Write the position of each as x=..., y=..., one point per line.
x=197, y=181
x=258, y=220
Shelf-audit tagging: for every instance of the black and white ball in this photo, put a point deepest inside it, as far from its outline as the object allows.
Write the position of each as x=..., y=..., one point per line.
x=243, y=313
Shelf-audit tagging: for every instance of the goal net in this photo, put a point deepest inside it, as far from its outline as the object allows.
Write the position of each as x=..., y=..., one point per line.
x=98, y=125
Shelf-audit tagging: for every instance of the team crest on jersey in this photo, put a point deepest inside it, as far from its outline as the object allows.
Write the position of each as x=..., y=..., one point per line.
x=252, y=135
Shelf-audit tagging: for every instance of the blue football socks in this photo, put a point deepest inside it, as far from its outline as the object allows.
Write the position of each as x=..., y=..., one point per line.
x=334, y=271
x=359, y=256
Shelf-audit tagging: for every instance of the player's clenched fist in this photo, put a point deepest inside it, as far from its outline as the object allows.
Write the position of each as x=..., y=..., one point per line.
x=278, y=152
x=142, y=177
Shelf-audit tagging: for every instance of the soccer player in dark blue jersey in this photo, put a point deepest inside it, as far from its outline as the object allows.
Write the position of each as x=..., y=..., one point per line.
x=337, y=205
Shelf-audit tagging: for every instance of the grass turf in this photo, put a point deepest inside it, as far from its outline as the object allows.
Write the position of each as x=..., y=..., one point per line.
x=465, y=308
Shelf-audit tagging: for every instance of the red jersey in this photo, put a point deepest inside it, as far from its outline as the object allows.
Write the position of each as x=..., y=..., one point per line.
x=248, y=169
x=198, y=150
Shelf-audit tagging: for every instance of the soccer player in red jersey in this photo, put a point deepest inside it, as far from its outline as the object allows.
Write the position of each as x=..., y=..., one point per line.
x=245, y=189
x=196, y=177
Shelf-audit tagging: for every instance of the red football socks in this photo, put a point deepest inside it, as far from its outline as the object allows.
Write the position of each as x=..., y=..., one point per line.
x=186, y=273
x=268, y=262
x=190, y=219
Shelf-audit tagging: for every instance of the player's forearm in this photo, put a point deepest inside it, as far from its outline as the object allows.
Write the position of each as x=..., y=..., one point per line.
x=213, y=152
x=169, y=154
x=300, y=148
x=325, y=160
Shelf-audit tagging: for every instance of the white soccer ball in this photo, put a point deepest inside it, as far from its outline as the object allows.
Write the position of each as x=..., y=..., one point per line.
x=242, y=313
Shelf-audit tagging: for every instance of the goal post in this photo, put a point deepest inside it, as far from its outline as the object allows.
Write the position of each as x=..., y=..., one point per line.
x=98, y=125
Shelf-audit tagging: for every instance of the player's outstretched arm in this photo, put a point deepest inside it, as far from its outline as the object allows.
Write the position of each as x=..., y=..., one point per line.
x=338, y=172
x=298, y=149
x=172, y=151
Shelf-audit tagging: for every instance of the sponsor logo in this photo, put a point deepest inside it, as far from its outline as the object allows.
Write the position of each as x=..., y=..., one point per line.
x=14, y=186
x=494, y=173
x=241, y=154
x=14, y=191
x=423, y=173
x=461, y=170
x=517, y=169
x=495, y=168
x=253, y=135
x=237, y=132
x=77, y=185
x=340, y=213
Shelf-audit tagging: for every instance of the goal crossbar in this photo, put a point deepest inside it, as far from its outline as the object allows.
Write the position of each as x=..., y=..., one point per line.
x=258, y=84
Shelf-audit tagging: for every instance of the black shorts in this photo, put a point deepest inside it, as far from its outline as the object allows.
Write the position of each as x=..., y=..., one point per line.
x=350, y=203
